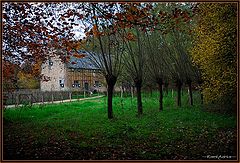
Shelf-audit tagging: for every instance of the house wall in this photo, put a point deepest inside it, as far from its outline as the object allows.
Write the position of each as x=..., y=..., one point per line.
x=53, y=73
x=84, y=77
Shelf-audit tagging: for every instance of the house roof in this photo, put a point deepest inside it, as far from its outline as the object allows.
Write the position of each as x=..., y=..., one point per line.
x=81, y=63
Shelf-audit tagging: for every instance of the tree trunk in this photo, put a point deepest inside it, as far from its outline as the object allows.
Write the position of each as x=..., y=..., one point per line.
x=200, y=90
x=151, y=91
x=201, y=94
x=190, y=92
x=138, y=84
x=133, y=91
x=121, y=92
x=160, y=83
x=166, y=87
x=179, y=87
x=111, y=81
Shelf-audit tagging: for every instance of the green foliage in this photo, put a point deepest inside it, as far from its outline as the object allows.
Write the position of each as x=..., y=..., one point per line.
x=215, y=50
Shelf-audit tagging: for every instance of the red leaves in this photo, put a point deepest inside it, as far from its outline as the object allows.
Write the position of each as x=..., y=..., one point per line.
x=8, y=70
x=94, y=17
x=80, y=16
x=119, y=16
x=108, y=16
x=130, y=18
x=62, y=18
x=130, y=37
x=79, y=55
x=4, y=16
x=69, y=48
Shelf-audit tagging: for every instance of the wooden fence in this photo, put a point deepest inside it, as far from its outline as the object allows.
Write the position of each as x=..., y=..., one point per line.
x=28, y=97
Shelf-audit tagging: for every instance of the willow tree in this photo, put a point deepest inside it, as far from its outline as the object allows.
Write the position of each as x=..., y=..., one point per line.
x=157, y=61
x=134, y=61
x=134, y=19
x=104, y=45
x=164, y=47
x=184, y=66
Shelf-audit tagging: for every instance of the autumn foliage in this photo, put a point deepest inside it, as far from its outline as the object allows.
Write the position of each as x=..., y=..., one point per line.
x=215, y=51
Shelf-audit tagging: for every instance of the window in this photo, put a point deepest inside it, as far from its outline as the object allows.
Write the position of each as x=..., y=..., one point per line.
x=76, y=84
x=96, y=84
x=50, y=62
x=61, y=82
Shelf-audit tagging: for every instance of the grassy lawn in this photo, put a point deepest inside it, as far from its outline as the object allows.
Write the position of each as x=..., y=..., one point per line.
x=81, y=130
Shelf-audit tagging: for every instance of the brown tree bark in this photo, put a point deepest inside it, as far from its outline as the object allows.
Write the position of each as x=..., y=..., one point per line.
x=138, y=85
x=189, y=82
x=179, y=88
x=201, y=91
x=166, y=87
x=111, y=81
x=160, y=83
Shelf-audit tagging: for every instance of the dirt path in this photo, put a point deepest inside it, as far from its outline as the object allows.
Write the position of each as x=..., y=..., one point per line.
x=54, y=102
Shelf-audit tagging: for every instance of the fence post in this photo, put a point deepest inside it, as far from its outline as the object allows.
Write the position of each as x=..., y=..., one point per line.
x=30, y=99
x=13, y=102
x=70, y=96
x=42, y=97
x=17, y=99
x=62, y=97
x=52, y=97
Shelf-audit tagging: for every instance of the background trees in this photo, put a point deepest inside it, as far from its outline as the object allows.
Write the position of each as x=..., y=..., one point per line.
x=215, y=51
x=104, y=46
x=158, y=61
x=141, y=38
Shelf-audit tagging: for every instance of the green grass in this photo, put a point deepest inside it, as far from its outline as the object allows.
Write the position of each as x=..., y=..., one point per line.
x=154, y=135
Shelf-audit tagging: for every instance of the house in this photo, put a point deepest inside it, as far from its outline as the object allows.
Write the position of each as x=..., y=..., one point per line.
x=77, y=74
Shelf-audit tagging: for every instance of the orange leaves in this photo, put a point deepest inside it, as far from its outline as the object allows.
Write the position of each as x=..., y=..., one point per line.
x=119, y=16
x=80, y=16
x=79, y=55
x=65, y=59
x=130, y=37
x=62, y=18
x=69, y=48
x=133, y=9
x=95, y=30
x=95, y=27
x=8, y=69
x=36, y=68
x=130, y=17
x=73, y=45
